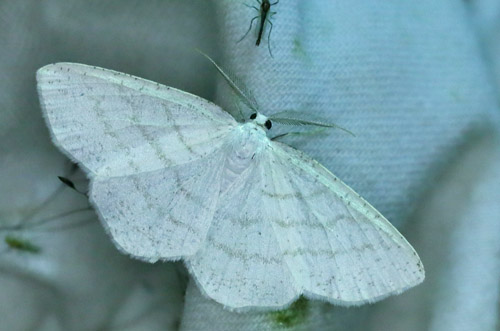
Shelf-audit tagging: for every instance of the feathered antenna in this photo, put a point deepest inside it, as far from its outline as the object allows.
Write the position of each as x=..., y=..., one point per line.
x=300, y=133
x=286, y=117
x=293, y=118
x=247, y=97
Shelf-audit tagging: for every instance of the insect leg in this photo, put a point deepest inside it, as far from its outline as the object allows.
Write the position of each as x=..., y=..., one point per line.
x=249, y=28
x=257, y=9
x=269, y=37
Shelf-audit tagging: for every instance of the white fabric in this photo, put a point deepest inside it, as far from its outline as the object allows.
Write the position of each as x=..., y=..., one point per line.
x=415, y=81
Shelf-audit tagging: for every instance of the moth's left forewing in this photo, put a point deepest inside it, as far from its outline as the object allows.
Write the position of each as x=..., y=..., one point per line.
x=115, y=124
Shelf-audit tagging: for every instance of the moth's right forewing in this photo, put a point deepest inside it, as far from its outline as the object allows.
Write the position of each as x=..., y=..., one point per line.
x=115, y=124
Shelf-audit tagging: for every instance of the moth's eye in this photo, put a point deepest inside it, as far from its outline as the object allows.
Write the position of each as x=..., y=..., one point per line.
x=268, y=124
x=253, y=116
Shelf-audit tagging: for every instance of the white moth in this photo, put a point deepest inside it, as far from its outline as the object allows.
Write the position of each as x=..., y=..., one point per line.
x=258, y=223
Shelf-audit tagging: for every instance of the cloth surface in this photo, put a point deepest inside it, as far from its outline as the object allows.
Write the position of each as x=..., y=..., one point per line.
x=417, y=82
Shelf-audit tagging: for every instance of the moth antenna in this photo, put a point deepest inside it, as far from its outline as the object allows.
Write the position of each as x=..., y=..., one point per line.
x=243, y=93
x=300, y=133
x=297, y=121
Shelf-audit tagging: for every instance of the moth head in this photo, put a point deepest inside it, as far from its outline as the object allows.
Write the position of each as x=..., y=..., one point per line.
x=261, y=120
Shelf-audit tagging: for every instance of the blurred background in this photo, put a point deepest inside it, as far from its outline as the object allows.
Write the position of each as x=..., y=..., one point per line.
x=417, y=82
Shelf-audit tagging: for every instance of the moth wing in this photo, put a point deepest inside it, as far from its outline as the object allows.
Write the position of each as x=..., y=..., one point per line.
x=337, y=245
x=153, y=154
x=293, y=228
x=241, y=264
x=163, y=214
x=115, y=124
